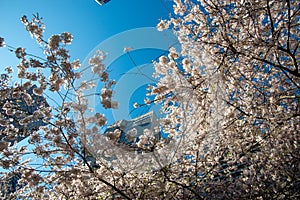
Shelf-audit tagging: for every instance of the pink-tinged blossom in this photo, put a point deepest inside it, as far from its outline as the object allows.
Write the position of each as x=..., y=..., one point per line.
x=38, y=91
x=127, y=49
x=20, y=52
x=27, y=98
x=147, y=101
x=66, y=38
x=76, y=64
x=100, y=119
x=53, y=42
x=162, y=25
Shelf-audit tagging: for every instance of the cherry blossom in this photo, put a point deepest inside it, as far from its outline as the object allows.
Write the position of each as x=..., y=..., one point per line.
x=229, y=99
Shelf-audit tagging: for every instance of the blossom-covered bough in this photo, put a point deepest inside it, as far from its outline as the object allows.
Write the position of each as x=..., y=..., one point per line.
x=244, y=104
x=230, y=96
x=60, y=158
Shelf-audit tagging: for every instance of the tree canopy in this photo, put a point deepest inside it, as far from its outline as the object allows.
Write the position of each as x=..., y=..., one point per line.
x=230, y=98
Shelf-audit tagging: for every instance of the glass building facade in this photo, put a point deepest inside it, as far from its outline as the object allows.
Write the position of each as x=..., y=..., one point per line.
x=102, y=2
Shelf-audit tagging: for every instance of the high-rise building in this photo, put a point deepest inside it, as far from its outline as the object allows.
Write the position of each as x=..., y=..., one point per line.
x=14, y=108
x=102, y=2
x=137, y=126
x=128, y=132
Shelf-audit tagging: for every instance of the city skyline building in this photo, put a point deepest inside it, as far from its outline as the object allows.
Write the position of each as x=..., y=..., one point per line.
x=135, y=127
x=126, y=135
x=102, y=2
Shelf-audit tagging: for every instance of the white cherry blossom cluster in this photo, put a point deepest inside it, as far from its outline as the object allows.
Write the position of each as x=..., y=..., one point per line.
x=146, y=140
x=35, y=27
x=233, y=69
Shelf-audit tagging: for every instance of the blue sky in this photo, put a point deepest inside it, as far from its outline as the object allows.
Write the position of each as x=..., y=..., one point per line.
x=85, y=19
x=91, y=25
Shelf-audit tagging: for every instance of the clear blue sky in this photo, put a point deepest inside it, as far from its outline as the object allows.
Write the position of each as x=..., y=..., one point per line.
x=85, y=19
x=89, y=23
